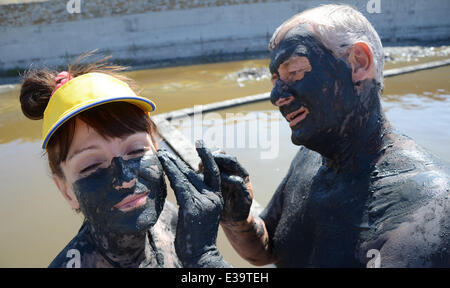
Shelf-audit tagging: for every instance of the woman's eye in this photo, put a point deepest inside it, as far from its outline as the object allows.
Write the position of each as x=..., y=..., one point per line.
x=89, y=168
x=138, y=151
x=274, y=78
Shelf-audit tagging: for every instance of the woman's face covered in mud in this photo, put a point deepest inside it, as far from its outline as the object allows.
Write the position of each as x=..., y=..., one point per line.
x=313, y=90
x=118, y=183
x=126, y=197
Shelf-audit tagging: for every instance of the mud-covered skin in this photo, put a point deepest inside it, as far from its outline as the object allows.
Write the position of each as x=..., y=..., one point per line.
x=114, y=238
x=200, y=206
x=327, y=91
x=157, y=243
x=100, y=191
x=356, y=185
x=237, y=191
x=400, y=206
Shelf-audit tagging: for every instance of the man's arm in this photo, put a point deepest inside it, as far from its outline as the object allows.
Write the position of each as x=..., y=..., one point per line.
x=250, y=239
x=248, y=234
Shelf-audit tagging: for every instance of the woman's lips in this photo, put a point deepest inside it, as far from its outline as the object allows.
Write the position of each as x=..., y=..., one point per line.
x=297, y=116
x=131, y=202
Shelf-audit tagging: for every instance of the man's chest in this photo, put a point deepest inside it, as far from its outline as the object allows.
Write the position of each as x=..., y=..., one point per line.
x=323, y=221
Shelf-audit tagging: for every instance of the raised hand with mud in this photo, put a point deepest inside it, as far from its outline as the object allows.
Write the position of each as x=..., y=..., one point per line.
x=200, y=206
x=236, y=188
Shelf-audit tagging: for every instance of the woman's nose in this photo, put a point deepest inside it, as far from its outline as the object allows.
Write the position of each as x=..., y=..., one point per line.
x=280, y=94
x=125, y=175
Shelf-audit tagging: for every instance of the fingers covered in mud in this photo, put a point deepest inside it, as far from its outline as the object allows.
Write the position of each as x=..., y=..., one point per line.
x=201, y=204
x=228, y=164
x=237, y=199
x=194, y=178
x=178, y=181
x=210, y=169
x=240, y=189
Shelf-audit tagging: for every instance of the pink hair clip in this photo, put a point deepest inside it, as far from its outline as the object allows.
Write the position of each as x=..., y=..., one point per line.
x=61, y=79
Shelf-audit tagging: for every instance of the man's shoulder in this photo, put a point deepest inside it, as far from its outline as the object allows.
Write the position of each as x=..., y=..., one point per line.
x=406, y=164
x=410, y=206
x=304, y=166
x=407, y=176
x=419, y=238
x=306, y=157
x=402, y=152
x=302, y=170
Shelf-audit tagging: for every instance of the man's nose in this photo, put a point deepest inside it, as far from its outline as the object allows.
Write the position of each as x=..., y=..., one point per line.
x=125, y=175
x=280, y=94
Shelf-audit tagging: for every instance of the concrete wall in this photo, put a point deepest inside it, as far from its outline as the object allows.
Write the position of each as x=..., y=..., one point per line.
x=149, y=32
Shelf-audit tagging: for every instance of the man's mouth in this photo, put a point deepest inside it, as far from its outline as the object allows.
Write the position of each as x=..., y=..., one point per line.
x=297, y=116
x=131, y=202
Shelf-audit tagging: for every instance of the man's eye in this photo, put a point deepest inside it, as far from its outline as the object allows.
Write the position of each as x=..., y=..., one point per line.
x=90, y=168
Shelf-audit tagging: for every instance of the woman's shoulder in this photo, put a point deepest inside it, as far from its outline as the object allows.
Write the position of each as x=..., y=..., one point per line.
x=80, y=252
x=76, y=252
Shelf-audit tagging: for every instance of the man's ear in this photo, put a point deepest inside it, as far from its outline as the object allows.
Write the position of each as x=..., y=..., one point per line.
x=62, y=187
x=361, y=61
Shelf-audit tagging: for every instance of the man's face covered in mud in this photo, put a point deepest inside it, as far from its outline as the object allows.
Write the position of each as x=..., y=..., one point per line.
x=317, y=105
x=126, y=197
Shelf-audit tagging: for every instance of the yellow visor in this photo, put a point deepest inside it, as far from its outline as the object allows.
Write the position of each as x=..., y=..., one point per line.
x=85, y=92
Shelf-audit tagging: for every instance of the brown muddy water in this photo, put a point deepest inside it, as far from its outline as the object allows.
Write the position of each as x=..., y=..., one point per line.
x=36, y=222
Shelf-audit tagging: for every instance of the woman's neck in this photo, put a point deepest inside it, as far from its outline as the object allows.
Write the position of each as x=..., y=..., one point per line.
x=120, y=250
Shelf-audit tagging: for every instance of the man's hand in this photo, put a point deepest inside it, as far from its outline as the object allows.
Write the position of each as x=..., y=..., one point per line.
x=200, y=206
x=246, y=233
x=236, y=189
